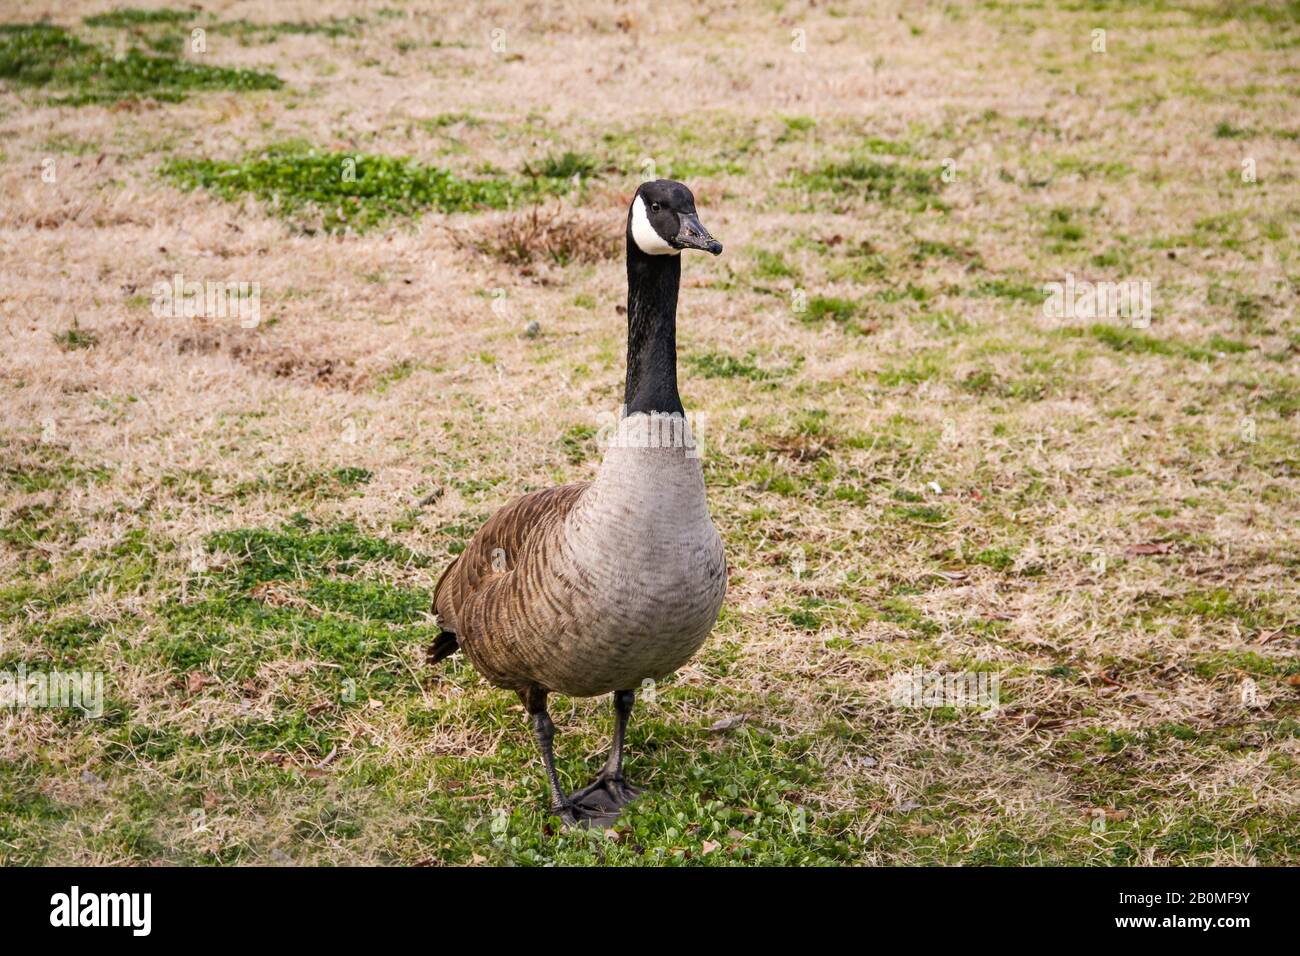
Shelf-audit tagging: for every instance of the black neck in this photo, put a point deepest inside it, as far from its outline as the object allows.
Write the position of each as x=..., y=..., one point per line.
x=652, y=283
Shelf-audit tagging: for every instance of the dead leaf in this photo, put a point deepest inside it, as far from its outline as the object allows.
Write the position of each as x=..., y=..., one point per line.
x=272, y=593
x=708, y=847
x=196, y=681
x=1150, y=547
x=800, y=447
x=1110, y=813
x=953, y=576
x=728, y=723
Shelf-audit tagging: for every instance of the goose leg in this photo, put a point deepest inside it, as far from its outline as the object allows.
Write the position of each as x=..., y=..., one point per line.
x=544, y=730
x=609, y=791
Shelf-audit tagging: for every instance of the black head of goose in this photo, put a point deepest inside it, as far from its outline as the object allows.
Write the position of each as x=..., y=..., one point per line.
x=602, y=586
x=661, y=222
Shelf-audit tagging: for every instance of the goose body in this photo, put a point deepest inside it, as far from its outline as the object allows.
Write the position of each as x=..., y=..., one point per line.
x=591, y=588
x=596, y=587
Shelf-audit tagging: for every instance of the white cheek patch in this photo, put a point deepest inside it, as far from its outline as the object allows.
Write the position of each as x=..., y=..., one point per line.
x=647, y=239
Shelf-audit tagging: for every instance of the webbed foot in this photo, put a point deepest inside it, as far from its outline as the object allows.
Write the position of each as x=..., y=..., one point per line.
x=608, y=793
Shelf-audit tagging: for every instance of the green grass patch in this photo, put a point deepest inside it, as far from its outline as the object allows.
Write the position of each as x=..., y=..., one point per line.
x=861, y=263
x=999, y=559
x=926, y=249
x=923, y=514
x=48, y=57
x=300, y=482
x=135, y=17
x=332, y=27
x=29, y=528
x=71, y=340
x=566, y=165
x=913, y=373
x=344, y=190
x=147, y=22
x=720, y=365
x=872, y=179
x=795, y=127
x=1002, y=288
x=298, y=592
x=1225, y=130
x=1131, y=341
x=299, y=550
x=772, y=265
x=823, y=308
x=910, y=291
x=1062, y=228
x=579, y=441
x=44, y=468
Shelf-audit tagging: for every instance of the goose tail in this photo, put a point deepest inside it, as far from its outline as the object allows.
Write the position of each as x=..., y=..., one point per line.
x=444, y=645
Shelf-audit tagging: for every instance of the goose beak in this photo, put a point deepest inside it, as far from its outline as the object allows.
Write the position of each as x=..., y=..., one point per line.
x=693, y=235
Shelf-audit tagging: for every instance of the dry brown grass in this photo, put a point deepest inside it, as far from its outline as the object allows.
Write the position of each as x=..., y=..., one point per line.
x=1103, y=536
x=546, y=235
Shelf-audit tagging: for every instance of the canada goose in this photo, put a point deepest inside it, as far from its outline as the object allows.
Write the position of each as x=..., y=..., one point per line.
x=594, y=587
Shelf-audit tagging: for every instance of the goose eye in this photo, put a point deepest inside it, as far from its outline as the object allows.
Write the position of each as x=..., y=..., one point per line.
x=654, y=207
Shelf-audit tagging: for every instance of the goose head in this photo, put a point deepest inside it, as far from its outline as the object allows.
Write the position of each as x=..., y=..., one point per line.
x=663, y=221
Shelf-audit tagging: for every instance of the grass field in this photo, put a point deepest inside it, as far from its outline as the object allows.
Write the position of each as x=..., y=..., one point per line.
x=913, y=462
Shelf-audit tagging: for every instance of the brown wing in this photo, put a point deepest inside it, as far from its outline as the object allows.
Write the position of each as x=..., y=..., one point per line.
x=499, y=547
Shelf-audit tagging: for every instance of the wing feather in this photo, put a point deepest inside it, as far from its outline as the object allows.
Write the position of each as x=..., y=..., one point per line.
x=507, y=545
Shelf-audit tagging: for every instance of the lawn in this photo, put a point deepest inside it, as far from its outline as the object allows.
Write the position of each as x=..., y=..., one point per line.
x=915, y=464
